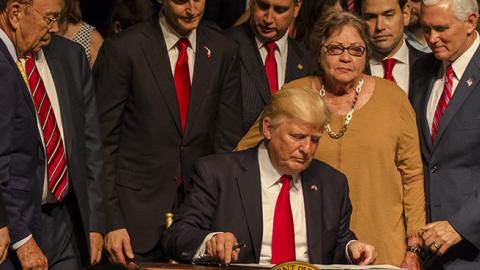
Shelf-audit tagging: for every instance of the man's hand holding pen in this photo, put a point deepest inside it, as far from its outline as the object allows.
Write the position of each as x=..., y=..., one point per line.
x=224, y=246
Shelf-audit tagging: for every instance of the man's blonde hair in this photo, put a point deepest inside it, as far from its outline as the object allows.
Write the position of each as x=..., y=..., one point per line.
x=303, y=104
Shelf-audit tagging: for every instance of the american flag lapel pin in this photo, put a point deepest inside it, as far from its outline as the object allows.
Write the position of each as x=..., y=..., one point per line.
x=469, y=82
x=314, y=187
x=299, y=66
x=209, y=52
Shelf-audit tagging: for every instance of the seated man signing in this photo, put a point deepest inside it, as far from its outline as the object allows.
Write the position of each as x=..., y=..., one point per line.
x=273, y=198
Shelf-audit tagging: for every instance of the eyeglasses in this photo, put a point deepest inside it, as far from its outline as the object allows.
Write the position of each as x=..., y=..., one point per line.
x=337, y=49
x=51, y=19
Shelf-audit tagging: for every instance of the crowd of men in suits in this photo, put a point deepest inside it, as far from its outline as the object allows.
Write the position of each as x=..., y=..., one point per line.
x=93, y=159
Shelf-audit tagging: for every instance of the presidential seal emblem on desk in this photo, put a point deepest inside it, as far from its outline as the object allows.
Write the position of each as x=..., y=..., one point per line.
x=295, y=266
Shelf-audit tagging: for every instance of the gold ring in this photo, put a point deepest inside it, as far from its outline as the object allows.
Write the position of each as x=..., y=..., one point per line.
x=436, y=246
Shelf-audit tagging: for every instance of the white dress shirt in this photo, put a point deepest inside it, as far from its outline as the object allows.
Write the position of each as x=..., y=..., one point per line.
x=46, y=75
x=401, y=70
x=459, y=66
x=271, y=186
x=171, y=38
x=280, y=57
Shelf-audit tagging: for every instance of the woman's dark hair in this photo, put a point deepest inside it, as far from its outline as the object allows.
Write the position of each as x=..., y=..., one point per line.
x=310, y=12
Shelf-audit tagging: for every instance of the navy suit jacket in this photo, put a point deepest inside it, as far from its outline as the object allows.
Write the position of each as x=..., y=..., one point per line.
x=452, y=162
x=21, y=152
x=74, y=86
x=255, y=89
x=226, y=196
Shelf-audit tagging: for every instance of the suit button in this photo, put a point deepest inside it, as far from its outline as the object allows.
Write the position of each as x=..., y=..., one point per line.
x=434, y=169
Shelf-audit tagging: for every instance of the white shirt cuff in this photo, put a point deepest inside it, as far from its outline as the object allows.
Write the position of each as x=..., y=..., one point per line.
x=201, y=249
x=20, y=243
x=346, y=250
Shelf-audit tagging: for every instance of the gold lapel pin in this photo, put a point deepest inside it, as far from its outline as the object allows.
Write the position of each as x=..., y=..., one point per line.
x=299, y=66
x=209, y=52
x=469, y=82
x=314, y=187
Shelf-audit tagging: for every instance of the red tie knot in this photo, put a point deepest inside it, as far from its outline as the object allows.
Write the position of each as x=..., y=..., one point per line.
x=449, y=72
x=271, y=46
x=183, y=44
x=286, y=179
x=388, y=64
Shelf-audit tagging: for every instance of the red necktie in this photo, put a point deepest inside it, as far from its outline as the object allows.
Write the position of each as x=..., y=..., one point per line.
x=55, y=154
x=271, y=66
x=283, y=236
x=182, y=80
x=351, y=6
x=443, y=101
x=388, y=65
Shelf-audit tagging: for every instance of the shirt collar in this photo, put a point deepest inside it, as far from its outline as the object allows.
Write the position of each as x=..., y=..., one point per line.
x=171, y=36
x=10, y=47
x=282, y=44
x=267, y=169
x=460, y=65
x=401, y=55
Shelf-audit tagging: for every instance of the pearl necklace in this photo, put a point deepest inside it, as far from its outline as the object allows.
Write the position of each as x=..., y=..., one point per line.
x=349, y=115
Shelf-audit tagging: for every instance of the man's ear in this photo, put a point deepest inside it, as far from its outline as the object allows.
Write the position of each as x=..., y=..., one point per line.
x=406, y=13
x=471, y=21
x=267, y=128
x=297, y=7
x=15, y=11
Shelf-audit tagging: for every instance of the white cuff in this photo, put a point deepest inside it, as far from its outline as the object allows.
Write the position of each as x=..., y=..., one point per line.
x=20, y=243
x=346, y=250
x=201, y=249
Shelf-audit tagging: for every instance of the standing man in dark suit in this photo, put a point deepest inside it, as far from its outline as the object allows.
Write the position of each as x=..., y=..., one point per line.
x=72, y=213
x=269, y=57
x=273, y=198
x=23, y=24
x=168, y=93
x=446, y=98
x=392, y=56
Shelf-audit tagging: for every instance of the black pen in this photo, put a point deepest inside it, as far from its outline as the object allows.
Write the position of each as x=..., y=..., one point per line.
x=239, y=245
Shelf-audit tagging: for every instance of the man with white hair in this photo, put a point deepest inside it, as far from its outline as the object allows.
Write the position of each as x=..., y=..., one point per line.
x=446, y=98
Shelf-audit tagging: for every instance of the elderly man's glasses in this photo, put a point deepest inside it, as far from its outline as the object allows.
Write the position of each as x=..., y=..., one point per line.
x=51, y=19
x=337, y=49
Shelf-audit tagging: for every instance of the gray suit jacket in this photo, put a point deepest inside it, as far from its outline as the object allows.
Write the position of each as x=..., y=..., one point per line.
x=255, y=89
x=226, y=196
x=73, y=82
x=452, y=163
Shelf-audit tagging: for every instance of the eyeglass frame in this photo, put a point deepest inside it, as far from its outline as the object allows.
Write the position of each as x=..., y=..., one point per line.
x=50, y=21
x=364, y=49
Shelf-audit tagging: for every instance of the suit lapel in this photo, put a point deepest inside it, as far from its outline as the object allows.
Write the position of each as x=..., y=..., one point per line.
x=155, y=52
x=313, y=199
x=61, y=87
x=250, y=57
x=428, y=81
x=295, y=62
x=464, y=88
x=201, y=73
x=251, y=195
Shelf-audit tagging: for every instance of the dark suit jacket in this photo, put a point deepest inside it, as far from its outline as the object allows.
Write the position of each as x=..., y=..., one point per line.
x=226, y=196
x=20, y=152
x=74, y=86
x=145, y=148
x=452, y=163
x=255, y=89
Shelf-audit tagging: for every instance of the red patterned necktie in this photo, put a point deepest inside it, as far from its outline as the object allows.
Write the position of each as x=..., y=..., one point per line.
x=55, y=154
x=388, y=65
x=182, y=80
x=351, y=6
x=283, y=236
x=443, y=101
x=271, y=66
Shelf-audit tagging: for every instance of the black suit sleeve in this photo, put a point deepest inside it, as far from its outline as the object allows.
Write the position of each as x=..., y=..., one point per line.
x=229, y=129
x=3, y=214
x=93, y=146
x=193, y=220
x=111, y=74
